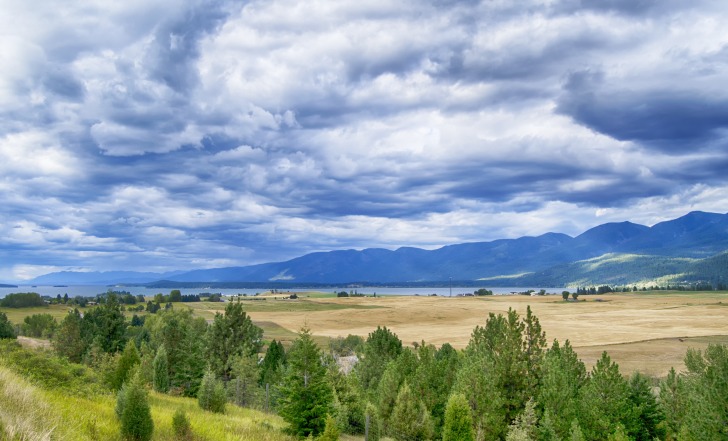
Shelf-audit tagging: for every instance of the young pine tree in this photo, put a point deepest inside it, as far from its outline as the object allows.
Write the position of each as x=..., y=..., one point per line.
x=160, y=378
x=458, y=420
x=211, y=395
x=181, y=425
x=125, y=364
x=133, y=411
x=307, y=397
x=410, y=419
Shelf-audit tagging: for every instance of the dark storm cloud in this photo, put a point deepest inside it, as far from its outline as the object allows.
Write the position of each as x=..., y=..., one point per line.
x=672, y=120
x=176, y=43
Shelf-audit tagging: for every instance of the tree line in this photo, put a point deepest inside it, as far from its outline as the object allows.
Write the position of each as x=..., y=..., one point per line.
x=507, y=384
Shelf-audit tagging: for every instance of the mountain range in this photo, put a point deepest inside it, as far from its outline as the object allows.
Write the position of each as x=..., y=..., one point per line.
x=687, y=249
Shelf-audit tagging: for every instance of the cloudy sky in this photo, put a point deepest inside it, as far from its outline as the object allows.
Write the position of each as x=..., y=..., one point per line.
x=179, y=134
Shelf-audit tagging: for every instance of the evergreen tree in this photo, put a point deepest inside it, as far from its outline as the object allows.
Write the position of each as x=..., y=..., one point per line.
x=381, y=347
x=231, y=334
x=272, y=367
x=243, y=388
x=673, y=397
x=348, y=400
x=410, y=419
x=160, y=378
x=6, y=328
x=575, y=433
x=105, y=325
x=375, y=426
x=647, y=416
x=146, y=363
x=211, y=395
x=306, y=395
x=68, y=341
x=706, y=416
x=183, y=336
x=563, y=375
x=534, y=340
x=331, y=430
x=404, y=366
x=507, y=353
x=458, y=424
x=525, y=426
x=604, y=400
x=181, y=425
x=433, y=380
x=133, y=411
x=125, y=364
x=484, y=396
x=546, y=429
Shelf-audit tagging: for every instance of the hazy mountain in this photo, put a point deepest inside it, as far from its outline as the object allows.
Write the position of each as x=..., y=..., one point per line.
x=99, y=278
x=617, y=253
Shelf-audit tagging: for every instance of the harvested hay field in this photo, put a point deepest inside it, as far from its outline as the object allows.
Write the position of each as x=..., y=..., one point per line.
x=642, y=331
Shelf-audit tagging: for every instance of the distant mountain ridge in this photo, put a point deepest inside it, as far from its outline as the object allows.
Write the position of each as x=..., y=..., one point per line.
x=552, y=259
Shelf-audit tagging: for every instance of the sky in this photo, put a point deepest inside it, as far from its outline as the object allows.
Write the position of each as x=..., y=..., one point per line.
x=184, y=134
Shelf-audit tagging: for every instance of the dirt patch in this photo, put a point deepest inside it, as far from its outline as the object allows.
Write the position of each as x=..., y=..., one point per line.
x=34, y=343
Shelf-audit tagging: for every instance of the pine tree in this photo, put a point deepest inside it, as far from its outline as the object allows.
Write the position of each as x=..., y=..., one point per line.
x=525, y=426
x=133, y=411
x=331, y=430
x=160, y=379
x=211, y=395
x=563, y=375
x=181, y=425
x=410, y=419
x=125, y=364
x=381, y=347
x=706, y=416
x=458, y=424
x=306, y=395
x=231, y=334
x=243, y=387
x=575, y=433
x=68, y=341
x=604, y=400
x=273, y=365
x=673, y=401
x=647, y=416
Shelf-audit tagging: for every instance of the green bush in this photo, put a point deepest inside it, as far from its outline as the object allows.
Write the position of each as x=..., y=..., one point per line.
x=211, y=395
x=181, y=425
x=133, y=411
x=6, y=328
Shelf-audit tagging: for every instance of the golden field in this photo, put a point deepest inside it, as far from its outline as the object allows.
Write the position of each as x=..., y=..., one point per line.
x=649, y=332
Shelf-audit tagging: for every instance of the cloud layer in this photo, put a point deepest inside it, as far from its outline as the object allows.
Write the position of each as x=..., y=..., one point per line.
x=207, y=133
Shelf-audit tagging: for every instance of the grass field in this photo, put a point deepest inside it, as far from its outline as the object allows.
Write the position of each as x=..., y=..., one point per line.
x=641, y=331
x=645, y=331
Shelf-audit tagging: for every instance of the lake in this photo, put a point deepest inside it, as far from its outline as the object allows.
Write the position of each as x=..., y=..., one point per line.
x=93, y=290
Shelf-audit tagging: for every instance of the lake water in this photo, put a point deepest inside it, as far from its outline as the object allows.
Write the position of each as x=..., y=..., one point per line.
x=93, y=290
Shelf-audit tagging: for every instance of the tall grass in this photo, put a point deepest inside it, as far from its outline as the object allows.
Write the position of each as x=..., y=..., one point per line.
x=24, y=413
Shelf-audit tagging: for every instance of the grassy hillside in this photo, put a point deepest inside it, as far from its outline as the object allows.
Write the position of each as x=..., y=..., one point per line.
x=43, y=397
x=624, y=269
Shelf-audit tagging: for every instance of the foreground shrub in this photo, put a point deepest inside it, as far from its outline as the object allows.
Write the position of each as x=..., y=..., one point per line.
x=6, y=328
x=133, y=411
x=211, y=395
x=181, y=425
